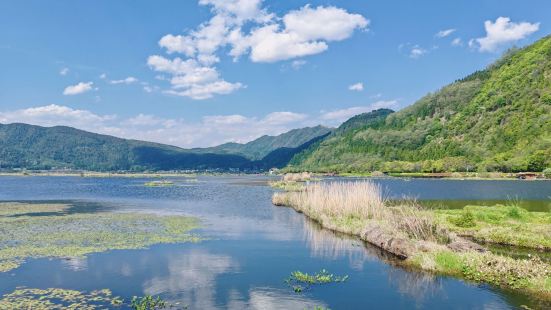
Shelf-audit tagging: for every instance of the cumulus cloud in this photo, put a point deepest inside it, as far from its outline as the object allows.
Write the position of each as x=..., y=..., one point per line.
x=336, y=117
x=128, y=80
x=79, y=88
x=304, y=32
x=356, y=87
x=243, y=27
x=53, y=115
x=210, y=130
x=501, y=32
x=444, y=33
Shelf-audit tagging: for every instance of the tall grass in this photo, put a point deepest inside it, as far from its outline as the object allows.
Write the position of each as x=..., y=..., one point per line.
x=361, y=201
x=297, y=177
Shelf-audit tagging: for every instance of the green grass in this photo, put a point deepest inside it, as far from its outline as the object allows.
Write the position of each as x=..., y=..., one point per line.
x=530, y=275
x=49, y=230
x=506, y=225
x=288, y=186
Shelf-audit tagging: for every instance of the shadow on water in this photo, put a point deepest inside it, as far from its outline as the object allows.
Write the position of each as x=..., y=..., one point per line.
x=74, y=207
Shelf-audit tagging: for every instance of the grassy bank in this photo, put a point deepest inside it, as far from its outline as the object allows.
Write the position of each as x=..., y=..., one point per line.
x=503, y=224
x=55, y=230
x=430, y=240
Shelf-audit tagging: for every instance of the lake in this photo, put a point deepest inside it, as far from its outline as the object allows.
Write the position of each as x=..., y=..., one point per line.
x=252, y=246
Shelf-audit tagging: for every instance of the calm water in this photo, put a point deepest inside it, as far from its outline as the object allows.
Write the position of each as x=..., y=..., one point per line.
x=253, y=246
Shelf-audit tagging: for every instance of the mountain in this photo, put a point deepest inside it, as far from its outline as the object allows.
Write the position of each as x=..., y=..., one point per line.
x=497, y=119
x=35, y=147
x=261, y=147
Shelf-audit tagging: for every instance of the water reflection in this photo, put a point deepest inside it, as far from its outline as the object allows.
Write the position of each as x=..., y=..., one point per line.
x=326, y=244
x=192, y=278
x=416, y=285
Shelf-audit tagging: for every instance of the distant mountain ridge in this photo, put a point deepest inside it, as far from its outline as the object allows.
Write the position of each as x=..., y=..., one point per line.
x=60, y=147
x=261, y=147
x=497, y=119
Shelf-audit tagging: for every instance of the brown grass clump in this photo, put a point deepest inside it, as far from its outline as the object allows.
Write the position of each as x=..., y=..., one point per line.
x=362, y=200
x=354, y=203
x=297, y=177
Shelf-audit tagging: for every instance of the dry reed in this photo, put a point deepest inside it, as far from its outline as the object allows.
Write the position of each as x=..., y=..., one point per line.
x=364, y=201
x=297, y=177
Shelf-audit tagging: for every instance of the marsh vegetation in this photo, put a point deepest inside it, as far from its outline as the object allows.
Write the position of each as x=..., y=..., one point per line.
x=433, y=240
x=49, y=230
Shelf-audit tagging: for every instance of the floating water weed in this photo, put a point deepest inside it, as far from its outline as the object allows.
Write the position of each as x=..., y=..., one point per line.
x=301, y=281
x=147, y=302
x=47, y=230
x=56, y=298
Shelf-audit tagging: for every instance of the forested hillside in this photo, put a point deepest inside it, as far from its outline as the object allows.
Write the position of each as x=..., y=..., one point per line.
x=34, y=147
x=497, y=119
x=261, y=147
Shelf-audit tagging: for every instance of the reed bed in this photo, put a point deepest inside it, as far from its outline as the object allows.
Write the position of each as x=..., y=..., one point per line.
x=356, y=203
x=297, y=177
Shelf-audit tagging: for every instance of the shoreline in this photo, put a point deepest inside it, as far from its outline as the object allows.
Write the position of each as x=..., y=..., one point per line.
x=458, y=257
x=162, y=174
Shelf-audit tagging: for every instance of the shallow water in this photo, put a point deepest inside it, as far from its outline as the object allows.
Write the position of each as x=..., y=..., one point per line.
x=252, y=247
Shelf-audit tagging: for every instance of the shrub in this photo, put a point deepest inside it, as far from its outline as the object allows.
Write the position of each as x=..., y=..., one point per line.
x=466, y=220
x=547, y=173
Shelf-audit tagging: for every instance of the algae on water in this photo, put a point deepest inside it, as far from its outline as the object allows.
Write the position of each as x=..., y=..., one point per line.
x=56, y=298
x=48, y=230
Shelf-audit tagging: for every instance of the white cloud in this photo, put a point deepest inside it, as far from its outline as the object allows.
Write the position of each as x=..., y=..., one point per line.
x=304, y=32
x=208, y=131
x=356, y=87
x=417, y=51
x=246, y=28
x=54, y=115
x=206, y=91
x=79, y=88
x=128, y=80
x=444, y=33
x=501, y=32
x=103, y=76
x=280, y=118
x=457, y=42
x=338, y=116
x=64, y=71
x=297, y=64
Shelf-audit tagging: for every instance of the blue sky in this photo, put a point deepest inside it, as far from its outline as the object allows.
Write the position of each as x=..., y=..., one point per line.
x=199, y=73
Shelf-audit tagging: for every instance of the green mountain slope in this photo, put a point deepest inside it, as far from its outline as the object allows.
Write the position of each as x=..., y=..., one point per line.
x=498, y=119
x=259, y=148
x=35, y=147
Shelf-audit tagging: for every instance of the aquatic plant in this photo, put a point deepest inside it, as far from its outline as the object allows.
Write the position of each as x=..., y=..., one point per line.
x=49, y=230
x=300, y=281
x=147, y=302
x=57, y=298
x=162, y=183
